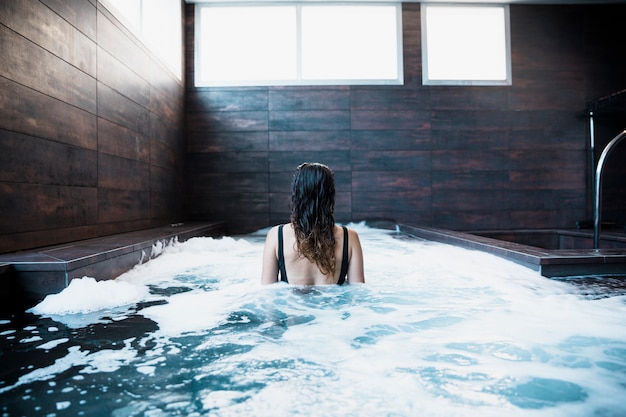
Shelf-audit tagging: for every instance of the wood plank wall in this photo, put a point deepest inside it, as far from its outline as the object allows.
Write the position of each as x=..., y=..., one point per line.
x=91, y=127
x=454, y=157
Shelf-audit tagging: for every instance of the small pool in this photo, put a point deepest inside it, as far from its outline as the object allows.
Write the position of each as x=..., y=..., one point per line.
x=557, y=239
x=438, y=330
x=552, y=253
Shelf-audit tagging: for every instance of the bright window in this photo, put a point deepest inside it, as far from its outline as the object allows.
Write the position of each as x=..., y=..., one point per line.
x=298, y=44
x=158, y=23
x=465, y=45
x=243, y=44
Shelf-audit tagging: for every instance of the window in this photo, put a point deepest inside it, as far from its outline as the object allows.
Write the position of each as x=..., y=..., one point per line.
x=158, y=24
x=298, y=44
x=465, y=45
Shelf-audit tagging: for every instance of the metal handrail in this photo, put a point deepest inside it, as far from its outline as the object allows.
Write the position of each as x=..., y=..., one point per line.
x=597, y=206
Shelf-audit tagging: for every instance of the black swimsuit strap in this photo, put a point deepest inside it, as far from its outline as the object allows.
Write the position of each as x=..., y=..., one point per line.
x=281, y=255
x=344, y=259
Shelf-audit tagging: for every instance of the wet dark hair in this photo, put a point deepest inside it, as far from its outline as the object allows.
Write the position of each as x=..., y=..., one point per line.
x=312, y=208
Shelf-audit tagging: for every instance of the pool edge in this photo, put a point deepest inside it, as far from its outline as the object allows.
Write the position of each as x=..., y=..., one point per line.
x=32, y=275
x=549, y=263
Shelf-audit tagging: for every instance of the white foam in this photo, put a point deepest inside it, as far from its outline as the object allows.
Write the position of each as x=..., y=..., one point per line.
x=53, y=343
x=86, y=295
x=437, y=330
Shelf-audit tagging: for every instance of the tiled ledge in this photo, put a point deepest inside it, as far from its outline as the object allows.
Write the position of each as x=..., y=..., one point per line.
x=49, y=270
x=548, y=262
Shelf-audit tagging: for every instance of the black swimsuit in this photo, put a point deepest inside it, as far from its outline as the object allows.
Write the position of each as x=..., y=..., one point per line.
x=344, y=259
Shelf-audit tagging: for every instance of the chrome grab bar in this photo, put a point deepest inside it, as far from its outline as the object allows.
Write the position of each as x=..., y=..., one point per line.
x=597, y=206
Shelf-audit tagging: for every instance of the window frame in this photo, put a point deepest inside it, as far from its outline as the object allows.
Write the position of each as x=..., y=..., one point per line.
x=299, y=80
x=426, y=80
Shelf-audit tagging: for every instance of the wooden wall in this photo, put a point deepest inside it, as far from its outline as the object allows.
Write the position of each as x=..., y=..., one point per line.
x=453, y=157
x=92, y=137
x=91, y=127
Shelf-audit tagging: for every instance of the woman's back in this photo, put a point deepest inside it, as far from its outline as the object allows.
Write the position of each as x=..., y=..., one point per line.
x=300, y=270
x=310, y=249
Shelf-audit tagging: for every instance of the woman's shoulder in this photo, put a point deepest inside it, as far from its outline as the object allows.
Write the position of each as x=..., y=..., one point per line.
x=350, y=230
x=353, y=235
x=273, y=232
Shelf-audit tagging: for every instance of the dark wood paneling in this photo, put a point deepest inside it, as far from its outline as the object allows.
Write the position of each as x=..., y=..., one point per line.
x=470, y=119
x=31, y=65
x=466, y=219
x=122, y=79
x=309, y=140
x=391, y=181
x=457, y=157
x=280, y=161
x=554, y=179
x=227, y=162
x=121, y=173
x=390, y=140
x=80, y=13
x=27, y=159
x=471, y=200
x=227, y=100
x=114, y=139
x=412, y=45
x=391, y=160
x=166, y=106
x=35, y=207
x=91, y=127
x=548, y=38
x=389, y=120
x=530, y=93
x=42, y=26
x=537, y=199
x=546, y=160
x=280, y=209
x=281, y=181
x=117, y=108
x=472, y=140
x=447, y=181
x=309, y=98
x=557, y=217
x=243, y=121
x=163, y=155
x=470, y=160
x=237, y=183
x=392, y=99
x=120, y=44
x=250, y=208
x=170, y=132
x=201, y=141
x=122, y=205
x=28, y=111
x=469, y=99
x=391, y=202
x=309, y=120
x=162, y=181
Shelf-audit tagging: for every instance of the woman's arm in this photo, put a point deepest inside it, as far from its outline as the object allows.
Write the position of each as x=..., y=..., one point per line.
x=269, y=273
x=356, y=273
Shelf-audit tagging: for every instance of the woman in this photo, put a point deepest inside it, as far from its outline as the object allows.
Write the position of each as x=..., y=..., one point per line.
x=312, y=249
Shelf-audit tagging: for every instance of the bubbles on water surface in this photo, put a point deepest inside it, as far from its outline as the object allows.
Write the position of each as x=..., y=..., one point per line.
x=436, y=330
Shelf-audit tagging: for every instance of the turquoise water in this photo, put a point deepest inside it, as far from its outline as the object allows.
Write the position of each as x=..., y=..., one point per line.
x=436, y=331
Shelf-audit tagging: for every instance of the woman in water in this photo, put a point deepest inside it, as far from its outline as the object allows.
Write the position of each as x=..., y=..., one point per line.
x=312, y=249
